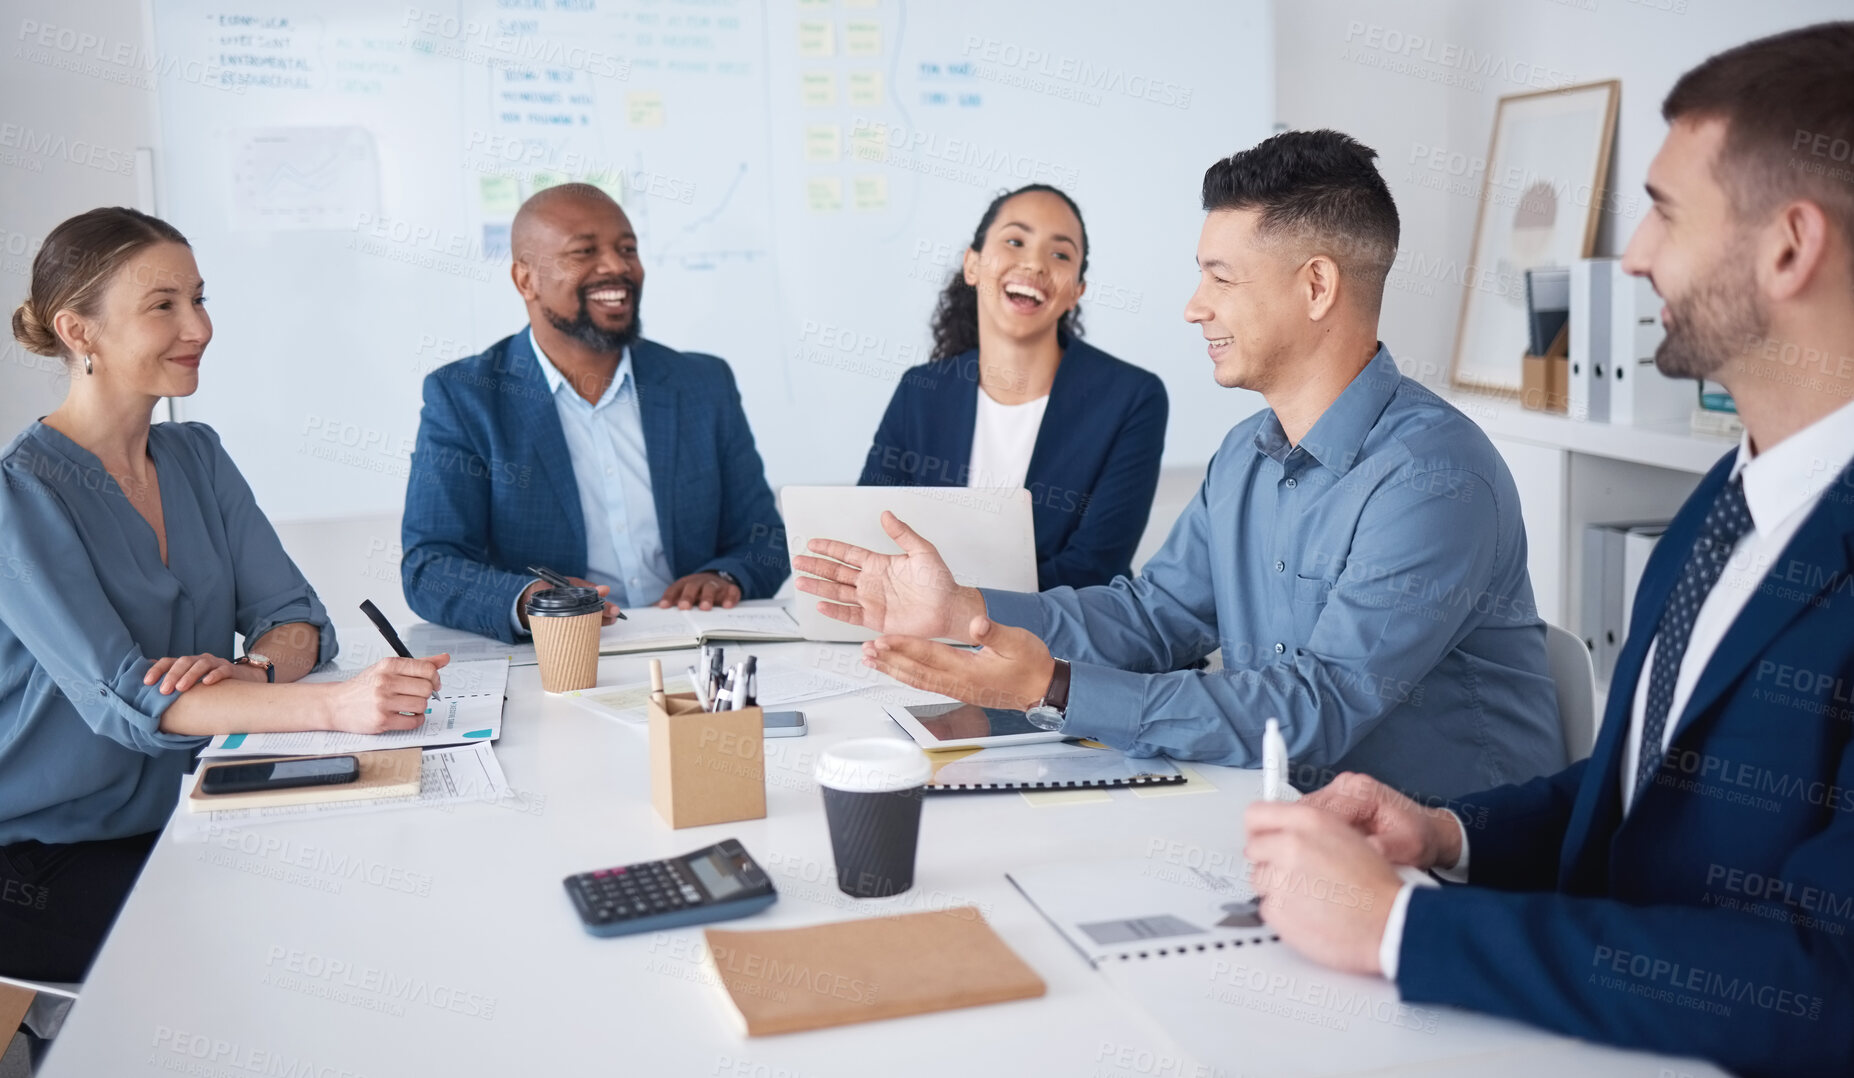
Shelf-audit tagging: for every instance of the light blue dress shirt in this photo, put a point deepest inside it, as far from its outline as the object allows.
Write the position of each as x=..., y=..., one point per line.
x=1367, y=587
x=605, y=443
x=87, y=606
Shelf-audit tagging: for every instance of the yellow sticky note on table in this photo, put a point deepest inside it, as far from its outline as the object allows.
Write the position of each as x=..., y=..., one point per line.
x=865, y=88
x=862, y=37
x=817, y=38
x=817, y=89
x=824, y=193
x=1047, y=798
x=644, y=108
x=869, y=141
x=823, y=143
x=499, y=196
x=869, y=192
x=1194, y=783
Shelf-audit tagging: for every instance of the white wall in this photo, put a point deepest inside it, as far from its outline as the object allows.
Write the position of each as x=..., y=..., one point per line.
x=1417, y=80
x=81, y=102
x=76, y=99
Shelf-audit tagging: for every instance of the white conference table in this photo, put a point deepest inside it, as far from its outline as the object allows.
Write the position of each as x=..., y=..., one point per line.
x=439, y=943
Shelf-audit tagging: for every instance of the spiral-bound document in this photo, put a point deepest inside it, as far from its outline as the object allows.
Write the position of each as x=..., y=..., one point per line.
x=1064, y=765
x=1138, y=908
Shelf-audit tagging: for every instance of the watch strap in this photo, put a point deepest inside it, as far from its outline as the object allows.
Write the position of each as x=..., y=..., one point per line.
x=270, y=668
x=1057, y=695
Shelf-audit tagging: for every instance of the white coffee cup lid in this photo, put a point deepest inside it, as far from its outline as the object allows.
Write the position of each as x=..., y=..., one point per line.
x=873, y=765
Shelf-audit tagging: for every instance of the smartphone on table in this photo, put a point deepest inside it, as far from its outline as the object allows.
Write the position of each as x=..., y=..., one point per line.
x=235, y=778
x=784, y=723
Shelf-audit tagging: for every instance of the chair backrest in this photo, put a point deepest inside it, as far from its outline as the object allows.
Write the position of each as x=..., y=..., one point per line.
x=1574, y=673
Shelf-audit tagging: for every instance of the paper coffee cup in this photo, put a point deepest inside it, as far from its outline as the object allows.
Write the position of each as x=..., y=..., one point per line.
x=872, y=801
x=565, y=623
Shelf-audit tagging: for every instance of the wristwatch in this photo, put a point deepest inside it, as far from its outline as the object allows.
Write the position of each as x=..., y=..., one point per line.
x=254, y=659
x=1051, y=712
x=727, y=576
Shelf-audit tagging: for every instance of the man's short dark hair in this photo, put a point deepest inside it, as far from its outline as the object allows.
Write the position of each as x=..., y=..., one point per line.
x=1321, y=188
x=1788, y=105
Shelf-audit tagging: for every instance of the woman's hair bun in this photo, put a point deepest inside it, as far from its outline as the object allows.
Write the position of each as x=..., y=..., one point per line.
x=31, y=331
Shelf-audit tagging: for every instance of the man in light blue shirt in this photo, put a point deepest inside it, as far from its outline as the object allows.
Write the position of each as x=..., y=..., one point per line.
x=578, y=445
x=605, y=444
x=1356, y=550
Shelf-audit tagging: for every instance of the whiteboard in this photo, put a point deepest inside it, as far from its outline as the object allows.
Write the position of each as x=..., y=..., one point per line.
x=803, y=177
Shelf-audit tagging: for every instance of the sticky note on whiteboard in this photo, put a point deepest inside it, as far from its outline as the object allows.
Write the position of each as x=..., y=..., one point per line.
x=499, y=196
x=817, y=89
x=824, y=194
x=869, y=192
x=869, y=141
x=644, y=108
x=610, y=181
x=817, y=38
x=865, y=88
x=823, y=143
x=862, y=37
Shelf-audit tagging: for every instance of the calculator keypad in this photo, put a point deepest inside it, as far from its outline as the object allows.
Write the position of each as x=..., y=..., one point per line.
x=621, y=894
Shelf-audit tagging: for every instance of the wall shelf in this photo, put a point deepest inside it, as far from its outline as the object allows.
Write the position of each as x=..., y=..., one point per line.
x=1672, y=445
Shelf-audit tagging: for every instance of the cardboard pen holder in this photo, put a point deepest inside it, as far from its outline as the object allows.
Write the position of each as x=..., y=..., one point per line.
x=706, y=766
x=1545, y=381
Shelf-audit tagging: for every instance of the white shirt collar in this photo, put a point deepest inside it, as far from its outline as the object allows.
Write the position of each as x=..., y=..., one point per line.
x=555, y=379
x=1789, y=476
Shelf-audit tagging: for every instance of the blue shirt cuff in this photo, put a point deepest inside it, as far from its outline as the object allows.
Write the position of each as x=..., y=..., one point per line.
x=1104, y=704
x=1022, y=609
x=140, y=707
x=515, y=614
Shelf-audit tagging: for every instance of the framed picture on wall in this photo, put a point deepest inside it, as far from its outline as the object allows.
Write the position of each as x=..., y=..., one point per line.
x=1543, y=184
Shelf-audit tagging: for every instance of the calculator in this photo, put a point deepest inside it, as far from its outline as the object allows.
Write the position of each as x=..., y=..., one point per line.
x=714, y=884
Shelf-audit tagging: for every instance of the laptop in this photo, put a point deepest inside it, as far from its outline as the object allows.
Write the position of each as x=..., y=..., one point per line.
x=986, y=537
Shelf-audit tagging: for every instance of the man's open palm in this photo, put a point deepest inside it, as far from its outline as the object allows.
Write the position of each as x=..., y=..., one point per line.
x=911, y=593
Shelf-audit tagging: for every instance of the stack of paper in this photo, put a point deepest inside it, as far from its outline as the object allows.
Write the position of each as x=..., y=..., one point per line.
x=449, y=777
x=468, y=708
x=781, y=685
x=651, y=629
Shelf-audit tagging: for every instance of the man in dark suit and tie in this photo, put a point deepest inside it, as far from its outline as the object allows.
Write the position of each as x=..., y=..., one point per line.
x=580, y=446
x=1689, y=888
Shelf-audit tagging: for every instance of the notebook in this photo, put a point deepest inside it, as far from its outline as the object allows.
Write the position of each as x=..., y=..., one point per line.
x=386, y=773
x=1178, y=934
x=649, y=628
x=468, y=708
x=1061, y=766
x=1141, y=908
x=791, y=979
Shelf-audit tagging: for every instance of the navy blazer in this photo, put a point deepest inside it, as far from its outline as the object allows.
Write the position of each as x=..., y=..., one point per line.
x=492, y=490
x=1718, y=919
x=1092, y=475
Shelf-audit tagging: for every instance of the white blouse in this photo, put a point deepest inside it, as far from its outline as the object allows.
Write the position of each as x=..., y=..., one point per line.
x=1003, y=437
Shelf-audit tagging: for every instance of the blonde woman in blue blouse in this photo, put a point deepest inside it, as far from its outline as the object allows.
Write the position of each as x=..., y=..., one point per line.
x=130, y=554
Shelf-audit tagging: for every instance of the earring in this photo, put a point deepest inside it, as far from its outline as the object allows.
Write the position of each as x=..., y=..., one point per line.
x=89, y=368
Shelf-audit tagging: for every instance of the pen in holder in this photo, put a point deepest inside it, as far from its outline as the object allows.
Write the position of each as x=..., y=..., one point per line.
x=706, y=766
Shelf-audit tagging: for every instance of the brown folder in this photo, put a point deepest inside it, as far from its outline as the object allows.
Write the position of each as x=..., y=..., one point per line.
x=792, y=979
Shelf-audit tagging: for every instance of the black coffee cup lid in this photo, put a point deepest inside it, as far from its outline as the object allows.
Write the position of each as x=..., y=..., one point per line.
x=564, y=602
